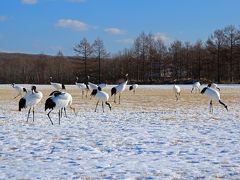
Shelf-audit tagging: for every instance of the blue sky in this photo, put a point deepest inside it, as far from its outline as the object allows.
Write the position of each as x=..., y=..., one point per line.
x=47, y=26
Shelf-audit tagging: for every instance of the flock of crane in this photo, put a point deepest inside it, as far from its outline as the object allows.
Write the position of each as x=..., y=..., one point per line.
x=60, y=99
x=212, y=91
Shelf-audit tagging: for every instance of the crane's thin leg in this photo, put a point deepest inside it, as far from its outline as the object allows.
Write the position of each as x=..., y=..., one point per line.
x=114, y=98
x=211, y=107
x=48, y=114
x=109, y=105
x=179, y=95
x=28, y=113
x=176, y=96
x=96, y=106
x=61, y=112
x=192, y=90
x=33, y=114
x=65, y=111
x=223, y=105
x=102, y=106
x=119, y=97
x=82, y=94
x=17, y=96
x=59, y=116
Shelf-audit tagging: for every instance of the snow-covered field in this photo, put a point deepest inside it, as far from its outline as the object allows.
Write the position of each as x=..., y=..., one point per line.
x=150, y=135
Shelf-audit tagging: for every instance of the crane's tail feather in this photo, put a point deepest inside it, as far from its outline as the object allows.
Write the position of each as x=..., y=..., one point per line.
x=22, y=104
x=113, y=91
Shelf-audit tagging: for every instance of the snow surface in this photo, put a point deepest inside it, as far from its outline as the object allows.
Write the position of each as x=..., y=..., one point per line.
x=150, y=135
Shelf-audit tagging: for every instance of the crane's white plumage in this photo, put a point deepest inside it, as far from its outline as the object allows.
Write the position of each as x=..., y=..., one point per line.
x=19, y=89
x=102, y=85
x=82, y=86
x=133, y=87
x=214, y=86
x=119, y=89
x=101, y=96
x=213, y=95
x=92, y=86
x=196, y=86
x=57, y=86
x=177, y=91
x=31, y=99
x=58, y=100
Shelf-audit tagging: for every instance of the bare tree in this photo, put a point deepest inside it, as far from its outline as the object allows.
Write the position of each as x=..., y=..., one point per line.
x=161, y=51
x=151, y=55
x=175, y=50
x=215, y=44
x=85, y=50
x=232, y=36
x=100, y=52
x=198, y=48
x=140, y=49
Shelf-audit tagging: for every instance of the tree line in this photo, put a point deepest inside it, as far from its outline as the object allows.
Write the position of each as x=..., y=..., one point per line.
x=216, y=60
x=149, y=60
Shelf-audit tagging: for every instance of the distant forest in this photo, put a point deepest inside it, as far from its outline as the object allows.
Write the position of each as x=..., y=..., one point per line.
x=149, y=61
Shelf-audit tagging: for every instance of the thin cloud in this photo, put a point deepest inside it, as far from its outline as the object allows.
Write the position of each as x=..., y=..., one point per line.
x=31, y=2
x=115, y=31
x=3, y=18
x=125, y=41
x=72, y=24
x=161, y=36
